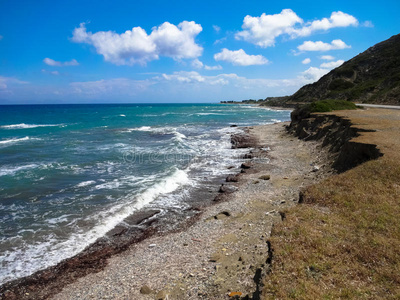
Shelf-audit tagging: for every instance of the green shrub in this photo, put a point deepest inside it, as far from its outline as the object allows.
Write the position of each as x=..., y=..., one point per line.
x=330, y=105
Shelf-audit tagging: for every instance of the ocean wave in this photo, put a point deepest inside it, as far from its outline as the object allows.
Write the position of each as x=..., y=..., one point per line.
x=12, y=170
x=28, y=126
x=30, y=257
x=178, y=136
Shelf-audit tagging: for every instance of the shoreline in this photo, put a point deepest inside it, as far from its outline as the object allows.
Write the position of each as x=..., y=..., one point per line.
x=236, y=209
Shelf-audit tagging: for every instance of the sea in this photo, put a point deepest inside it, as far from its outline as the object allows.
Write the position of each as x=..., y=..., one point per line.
x=71, y=173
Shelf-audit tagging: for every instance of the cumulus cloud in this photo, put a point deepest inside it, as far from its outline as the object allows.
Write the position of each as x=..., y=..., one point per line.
x=240, y=58
x=327, y=57
x=54, y=63
x=321, y=46
x=197, y=64
x=137, y=47
x=263, y=30
x=337, y=19
x=312, y=74
x=332, y=64
x=306, y=61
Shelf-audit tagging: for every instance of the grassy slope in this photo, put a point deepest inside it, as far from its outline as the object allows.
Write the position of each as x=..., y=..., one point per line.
x=344, y=240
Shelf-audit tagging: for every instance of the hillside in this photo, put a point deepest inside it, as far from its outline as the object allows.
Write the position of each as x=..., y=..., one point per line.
x=371, y=77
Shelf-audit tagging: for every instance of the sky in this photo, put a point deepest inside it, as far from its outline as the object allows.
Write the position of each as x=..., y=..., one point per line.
x=179, y=51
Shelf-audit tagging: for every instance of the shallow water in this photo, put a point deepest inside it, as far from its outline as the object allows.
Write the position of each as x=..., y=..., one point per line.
x=70, y=173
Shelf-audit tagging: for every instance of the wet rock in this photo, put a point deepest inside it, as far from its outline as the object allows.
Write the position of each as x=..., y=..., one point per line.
x=145, y=290
x=232, y=178
x=245, y=165
x=242, y=141
x=226, y=189
x=234, y=125
x=141, y=216
x=247, y=156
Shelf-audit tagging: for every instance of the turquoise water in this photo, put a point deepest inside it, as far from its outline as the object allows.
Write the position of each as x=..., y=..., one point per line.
x=70, y=173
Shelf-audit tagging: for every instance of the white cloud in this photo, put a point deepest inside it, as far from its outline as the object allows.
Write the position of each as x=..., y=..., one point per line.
x=137, y=47
x=313, y=74
x=240, y=58
x=197, y=64
x=217, y=28
x=263, y=30
x=212, y=68
x=368, y=24
x=54, y=63
x=306, y=61
x=337, y=19
x=327, y=57
x=321, y=46
x=116, y=86
x=332, y=64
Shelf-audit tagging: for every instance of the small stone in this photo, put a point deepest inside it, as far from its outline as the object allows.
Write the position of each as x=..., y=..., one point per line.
x=315, y=169
x=265, y=177
x=145, y=290
x=152, y=245
x=161, y=295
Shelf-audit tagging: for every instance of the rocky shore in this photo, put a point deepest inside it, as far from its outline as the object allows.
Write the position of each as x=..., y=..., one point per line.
x=218, y=252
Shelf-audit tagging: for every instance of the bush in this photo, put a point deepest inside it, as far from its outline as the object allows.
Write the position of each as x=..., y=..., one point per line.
x=330, y=105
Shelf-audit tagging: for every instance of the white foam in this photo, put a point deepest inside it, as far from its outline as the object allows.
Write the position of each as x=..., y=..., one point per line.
x=121, y=115
x=15, y=140
x=28, y=126
x=14, y=169
x=85, y=183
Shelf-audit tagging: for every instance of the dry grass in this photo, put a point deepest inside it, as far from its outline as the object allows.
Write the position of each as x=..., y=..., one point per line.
x=344, y=240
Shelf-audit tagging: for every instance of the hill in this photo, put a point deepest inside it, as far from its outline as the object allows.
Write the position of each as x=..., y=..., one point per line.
x=370, y=77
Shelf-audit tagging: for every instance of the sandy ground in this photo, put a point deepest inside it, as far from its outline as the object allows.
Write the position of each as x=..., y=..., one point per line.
x=225, y=252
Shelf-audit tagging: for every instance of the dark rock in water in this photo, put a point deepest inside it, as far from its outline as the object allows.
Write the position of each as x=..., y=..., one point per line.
x=248, y=156
x=232, y=178
x=117, y=231
x=141, y=216
x=246, y=165
x=230, y=167
x=234, y=125
x=242, y=141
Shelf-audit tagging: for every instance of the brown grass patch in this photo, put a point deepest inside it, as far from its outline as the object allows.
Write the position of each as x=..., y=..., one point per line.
x=344, y=240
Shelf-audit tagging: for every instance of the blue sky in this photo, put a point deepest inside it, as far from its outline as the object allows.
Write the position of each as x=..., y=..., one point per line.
x=179, y=51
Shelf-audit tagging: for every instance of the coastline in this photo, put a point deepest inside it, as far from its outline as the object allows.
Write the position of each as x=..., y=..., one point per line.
x=227, y=240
